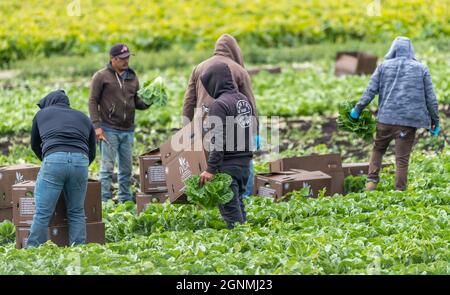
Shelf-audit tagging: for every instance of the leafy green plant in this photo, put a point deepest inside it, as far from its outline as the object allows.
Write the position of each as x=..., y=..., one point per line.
x=7, y=232
x=364, y=127
x=354, y=184
x=154, y=92
x=212, y=193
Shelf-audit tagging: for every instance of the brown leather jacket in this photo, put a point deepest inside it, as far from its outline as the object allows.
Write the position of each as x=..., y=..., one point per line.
x=226, y=51
x=113, y=101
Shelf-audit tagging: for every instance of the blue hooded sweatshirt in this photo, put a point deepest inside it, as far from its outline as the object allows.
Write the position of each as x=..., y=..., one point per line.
x=404, y=87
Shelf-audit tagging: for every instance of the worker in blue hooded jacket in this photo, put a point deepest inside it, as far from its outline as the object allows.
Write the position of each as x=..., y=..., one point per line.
x=406, y=102
x=64, y=139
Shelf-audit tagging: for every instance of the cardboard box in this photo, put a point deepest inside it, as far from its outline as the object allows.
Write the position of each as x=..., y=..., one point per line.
x=271, y=70
x=95, y=233
x=143, y=200
x=358, y=169
x=355, y=63
x=6, y=214
x=10, y=175
x=183, y=155
x=355, y=169
x=277, y=184
x=330, y=164
x=24, y=204
x=152, y=172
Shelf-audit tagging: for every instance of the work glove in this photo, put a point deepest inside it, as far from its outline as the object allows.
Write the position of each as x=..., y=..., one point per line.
x=258, y=140
x=435, y=131
x=354, y=114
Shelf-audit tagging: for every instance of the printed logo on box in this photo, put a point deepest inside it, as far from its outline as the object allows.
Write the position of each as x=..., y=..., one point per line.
x=185, y=169
x=19, y=178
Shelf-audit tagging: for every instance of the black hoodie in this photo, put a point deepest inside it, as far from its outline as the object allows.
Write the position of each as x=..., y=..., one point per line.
x=58, y=128
x=233, y=111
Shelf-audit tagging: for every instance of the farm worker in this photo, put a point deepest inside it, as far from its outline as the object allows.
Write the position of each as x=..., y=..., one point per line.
x=406, y=102
x=231, y=152
x=64, y=139
x=112, y=102
x=197, y=100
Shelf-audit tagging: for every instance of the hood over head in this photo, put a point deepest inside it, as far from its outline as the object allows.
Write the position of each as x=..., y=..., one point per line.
x=401, y=47
x=57, y=97
x=227, y=46
x=217, y=80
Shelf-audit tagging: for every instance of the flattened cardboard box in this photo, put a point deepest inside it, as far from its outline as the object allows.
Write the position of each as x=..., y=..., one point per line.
x=278, y=184
x=152, y=172
x=10, y=175
x=187, y=164
x=185, y=139
x=6, y=214
x=143, y=200
x=24, y=204
x=183, y=157
x=59, y=234
x=330, y=164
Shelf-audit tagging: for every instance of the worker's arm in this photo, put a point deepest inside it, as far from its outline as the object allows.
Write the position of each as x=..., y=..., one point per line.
x=95, y=94
x=92, y=145
x=430, y=98
x=372, y=90
x=36, y=140
x=190, y=98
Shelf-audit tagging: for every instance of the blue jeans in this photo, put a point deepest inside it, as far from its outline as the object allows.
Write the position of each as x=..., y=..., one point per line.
x=249, y=186
x=120, y=147
x=67, y=172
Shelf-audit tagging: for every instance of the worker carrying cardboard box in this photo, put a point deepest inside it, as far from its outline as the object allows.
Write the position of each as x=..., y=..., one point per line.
x=197, y=100
x=233, y=124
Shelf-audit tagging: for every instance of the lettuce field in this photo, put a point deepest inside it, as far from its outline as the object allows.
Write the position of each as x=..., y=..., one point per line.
x=379, y=232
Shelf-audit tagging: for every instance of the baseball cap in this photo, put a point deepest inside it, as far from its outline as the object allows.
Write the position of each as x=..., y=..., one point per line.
x=120, y=50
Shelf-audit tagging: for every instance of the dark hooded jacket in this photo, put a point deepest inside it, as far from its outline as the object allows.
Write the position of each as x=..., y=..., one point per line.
x=59, y=128
x=231, y=119
x=226, y=51
x=405, y=91
x=113, y=100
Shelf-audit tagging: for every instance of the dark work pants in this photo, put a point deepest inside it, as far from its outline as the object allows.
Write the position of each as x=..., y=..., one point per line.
x=234, y=211
x=404, y=141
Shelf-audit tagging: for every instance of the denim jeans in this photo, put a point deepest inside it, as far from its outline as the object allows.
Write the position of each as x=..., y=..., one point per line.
x=120, y=147
x=249, y=186
x=67, y=172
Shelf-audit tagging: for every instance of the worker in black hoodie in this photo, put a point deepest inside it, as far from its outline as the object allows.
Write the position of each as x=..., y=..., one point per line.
x=233, y=124
x=64, y=139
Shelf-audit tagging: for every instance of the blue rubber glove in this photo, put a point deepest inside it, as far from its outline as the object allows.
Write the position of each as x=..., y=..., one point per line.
x=258, y=140
x=354, y=114
x=435, y=131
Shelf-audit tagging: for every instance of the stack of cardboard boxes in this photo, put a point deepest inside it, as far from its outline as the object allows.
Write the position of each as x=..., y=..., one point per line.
x=152, y=180
x=24, y=208
x=10, y=175
x=317, y=172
